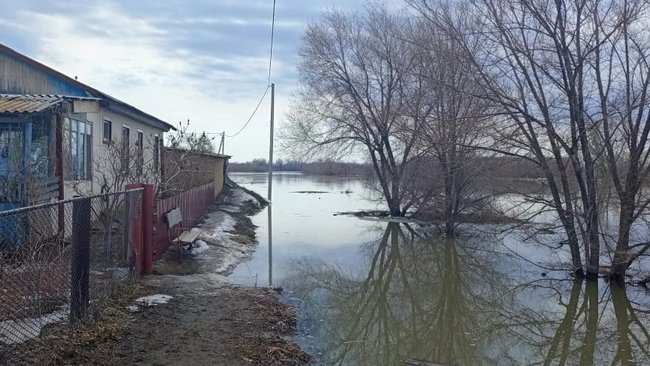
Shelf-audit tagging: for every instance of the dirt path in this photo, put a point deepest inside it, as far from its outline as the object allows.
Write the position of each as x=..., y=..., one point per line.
x=210, y=324
x=207, y=321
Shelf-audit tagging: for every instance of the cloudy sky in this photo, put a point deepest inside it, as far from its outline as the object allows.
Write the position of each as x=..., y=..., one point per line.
x=202, y=60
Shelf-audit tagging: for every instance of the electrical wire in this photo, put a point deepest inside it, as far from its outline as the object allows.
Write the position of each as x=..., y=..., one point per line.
x=252, y=114
x=268, y=80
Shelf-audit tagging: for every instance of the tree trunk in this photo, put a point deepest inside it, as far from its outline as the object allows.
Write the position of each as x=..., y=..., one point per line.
x=620, y=261
x=395, y=205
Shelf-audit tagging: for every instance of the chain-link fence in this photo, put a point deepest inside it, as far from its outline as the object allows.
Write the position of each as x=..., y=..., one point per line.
x=60, y=261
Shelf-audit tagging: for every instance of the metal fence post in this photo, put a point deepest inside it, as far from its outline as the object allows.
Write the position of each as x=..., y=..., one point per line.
x=80, y=261
x=147, y=222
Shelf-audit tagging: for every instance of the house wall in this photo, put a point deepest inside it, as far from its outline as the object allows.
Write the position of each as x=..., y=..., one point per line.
x=103, y=156
x=18, y=75
x=185, y=171
x=219, y=176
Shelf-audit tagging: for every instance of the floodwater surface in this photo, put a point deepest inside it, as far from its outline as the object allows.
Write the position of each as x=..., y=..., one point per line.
x=380, y=293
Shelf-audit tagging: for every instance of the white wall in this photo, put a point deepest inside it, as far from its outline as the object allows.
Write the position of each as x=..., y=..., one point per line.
x=99, y=148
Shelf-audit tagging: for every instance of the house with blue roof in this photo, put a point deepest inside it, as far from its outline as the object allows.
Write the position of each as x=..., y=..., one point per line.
x=56, y=133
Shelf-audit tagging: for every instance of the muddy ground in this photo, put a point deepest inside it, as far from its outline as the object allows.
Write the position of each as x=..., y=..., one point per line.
x=207, y=321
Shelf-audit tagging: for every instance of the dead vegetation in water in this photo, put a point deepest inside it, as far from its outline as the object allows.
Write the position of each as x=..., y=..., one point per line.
x=271, y=347
x=435, y=218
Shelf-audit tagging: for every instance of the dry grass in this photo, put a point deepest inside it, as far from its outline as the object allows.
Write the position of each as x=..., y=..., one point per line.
x=64, y=344
x=270, y=348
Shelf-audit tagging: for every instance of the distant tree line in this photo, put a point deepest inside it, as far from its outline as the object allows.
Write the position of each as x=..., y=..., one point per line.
x=262, y=165
x=320, y=167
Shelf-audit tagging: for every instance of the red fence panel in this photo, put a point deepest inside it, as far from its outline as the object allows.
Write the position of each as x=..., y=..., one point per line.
x=193, y=204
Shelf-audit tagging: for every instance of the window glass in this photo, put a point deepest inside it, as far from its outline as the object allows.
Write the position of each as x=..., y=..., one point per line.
x=11, y=161
x=40, y=148
x=108, y=131
x=77, y=144
x=126, y=134
x=156, y=154
x=139, y=143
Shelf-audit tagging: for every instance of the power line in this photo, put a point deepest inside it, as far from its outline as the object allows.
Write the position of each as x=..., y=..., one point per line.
x=268, y=85
x=271, y=50
x=252, y=114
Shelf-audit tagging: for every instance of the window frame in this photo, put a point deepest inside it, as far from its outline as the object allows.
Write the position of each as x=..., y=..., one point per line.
x=139, y=143
x=156, y=154
x=109, y=123
x=126, y=146
x=79, y=161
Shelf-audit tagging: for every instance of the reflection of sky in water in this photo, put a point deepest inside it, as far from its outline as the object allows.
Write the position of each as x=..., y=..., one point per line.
x=470, y=301
x=304, y=223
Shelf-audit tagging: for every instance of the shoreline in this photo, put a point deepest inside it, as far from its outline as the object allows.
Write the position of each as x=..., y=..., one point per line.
x=189, y=313
x=251, y=324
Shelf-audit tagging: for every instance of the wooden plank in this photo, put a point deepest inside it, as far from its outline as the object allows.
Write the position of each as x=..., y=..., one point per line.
x=189, y=236
x=174, y=217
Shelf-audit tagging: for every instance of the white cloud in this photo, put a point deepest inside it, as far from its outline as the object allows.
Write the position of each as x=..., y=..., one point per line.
x=206, y=62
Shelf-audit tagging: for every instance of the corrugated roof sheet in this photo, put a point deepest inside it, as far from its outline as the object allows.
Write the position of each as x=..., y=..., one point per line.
x=32, y=103
x=27, y=103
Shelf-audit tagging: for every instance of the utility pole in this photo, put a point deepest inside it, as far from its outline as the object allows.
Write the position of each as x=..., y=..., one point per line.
x=222, y=144
x=270, y=184
x=270, y=192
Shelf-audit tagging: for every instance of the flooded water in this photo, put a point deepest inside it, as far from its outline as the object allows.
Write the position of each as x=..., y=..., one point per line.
x=380, y=293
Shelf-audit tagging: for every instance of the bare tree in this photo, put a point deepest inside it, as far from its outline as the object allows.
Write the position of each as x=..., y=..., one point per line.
x=360, y=96
x=182, y=166
x=571, y=77
x=622, y=75
x=458, y=122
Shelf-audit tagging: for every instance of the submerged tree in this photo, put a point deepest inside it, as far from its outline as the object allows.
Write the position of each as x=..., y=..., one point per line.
x=572, y=79
x=458, y=123
x=360, y=95
x=388, y=88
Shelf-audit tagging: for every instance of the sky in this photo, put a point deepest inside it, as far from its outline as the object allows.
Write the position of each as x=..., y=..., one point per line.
x=202, y=61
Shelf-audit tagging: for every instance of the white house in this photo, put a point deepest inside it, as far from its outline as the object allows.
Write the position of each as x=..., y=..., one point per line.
x=56, y=131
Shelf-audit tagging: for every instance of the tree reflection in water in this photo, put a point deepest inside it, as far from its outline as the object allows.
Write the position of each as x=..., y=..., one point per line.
x=452, y=302
x=599, y=327
x=426, y=299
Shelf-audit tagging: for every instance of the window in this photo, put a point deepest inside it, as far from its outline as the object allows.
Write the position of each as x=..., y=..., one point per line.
x=156, y=154
x=126, y=137
x=140, y=158
x=11, y=149
x=139, y=139
x=108, y=131
x=77, y=146
x=39, y=149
